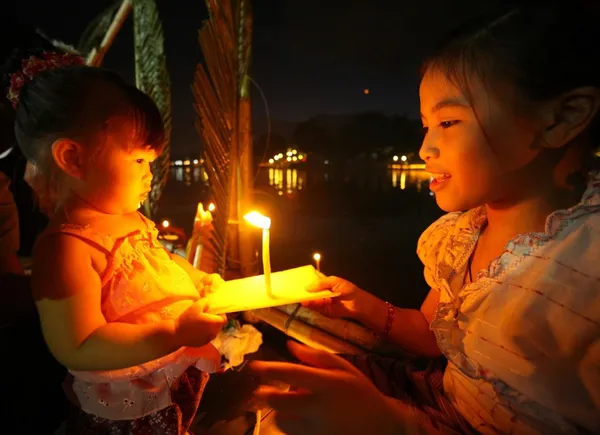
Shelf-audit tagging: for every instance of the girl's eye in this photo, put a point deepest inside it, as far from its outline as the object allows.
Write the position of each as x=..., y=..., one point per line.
x=140, y=161
x=448, y=124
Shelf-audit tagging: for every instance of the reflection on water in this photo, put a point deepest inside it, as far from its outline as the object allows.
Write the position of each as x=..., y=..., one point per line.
x=289, y=182
x=188, y=175
x=294, y=180
x=402, y=178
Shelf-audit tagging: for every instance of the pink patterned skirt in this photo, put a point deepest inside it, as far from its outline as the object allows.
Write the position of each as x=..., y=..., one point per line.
x=172, y=420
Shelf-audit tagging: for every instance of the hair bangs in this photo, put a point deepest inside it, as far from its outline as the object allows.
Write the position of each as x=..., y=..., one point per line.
x=148, y=129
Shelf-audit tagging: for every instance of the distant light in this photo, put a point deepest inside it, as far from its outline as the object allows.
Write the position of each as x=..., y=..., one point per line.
x=295, y=159
x=271, y=161
x=178, y=162
x=280, y=193
x=211, y=207
x=404, y=158
x=431, y=193
x=186, y=162
x=195, y=161
x=366, y=91
x=300, y=157
x=276, y=157
x=280, y=155
x=294, y=152
x=395, y=158
x=289, y=154
x=166, y=223
x=289, y=159
x=326, y=162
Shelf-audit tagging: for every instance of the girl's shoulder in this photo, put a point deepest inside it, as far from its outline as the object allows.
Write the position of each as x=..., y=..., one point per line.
x=448, y=241
x=463, y=226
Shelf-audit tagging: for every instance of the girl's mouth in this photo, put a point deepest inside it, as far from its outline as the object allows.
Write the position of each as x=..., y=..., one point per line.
x=438, y=180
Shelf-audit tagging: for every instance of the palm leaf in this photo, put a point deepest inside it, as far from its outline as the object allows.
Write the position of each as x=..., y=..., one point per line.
x=220, y=92
x=152, y=77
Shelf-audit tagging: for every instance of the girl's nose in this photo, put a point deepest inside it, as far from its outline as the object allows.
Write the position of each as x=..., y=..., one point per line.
x=428, y=149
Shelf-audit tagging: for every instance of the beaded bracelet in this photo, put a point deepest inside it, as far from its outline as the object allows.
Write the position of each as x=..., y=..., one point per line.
x=391, y=314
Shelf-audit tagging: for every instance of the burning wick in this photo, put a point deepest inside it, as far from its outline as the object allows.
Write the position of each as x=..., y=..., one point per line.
x=166, y=223
x=317, y=258
x=211, y=207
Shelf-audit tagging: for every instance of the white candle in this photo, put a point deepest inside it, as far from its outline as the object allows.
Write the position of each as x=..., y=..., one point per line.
x=197, y=256
x=263, y=222
x=266, y=258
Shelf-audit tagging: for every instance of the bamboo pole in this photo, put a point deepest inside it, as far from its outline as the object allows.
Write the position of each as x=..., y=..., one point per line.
x=304, y=333
x=343, y=329
x=247, y=254
x=96, y=56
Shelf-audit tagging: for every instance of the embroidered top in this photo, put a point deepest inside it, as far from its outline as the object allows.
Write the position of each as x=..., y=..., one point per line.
x=141, y=284
x=523, y=339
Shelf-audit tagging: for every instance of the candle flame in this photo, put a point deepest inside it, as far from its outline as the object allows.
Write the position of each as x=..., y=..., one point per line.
x=211, y=207
x=258, y=220
x=317, y=256
x=166, y=223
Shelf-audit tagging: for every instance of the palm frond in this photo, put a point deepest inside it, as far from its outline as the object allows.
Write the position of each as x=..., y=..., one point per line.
x=152, y=77
x=218, y=85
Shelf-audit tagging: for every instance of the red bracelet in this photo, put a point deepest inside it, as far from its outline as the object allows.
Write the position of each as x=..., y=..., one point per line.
x=391, y=314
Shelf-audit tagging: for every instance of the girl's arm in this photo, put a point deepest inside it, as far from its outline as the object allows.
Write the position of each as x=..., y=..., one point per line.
x=205, y=282
x=195, y=274
x=410, y=328
x=68, y=299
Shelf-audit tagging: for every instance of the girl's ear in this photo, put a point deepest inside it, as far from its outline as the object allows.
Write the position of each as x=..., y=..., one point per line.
x=69, y=156
x=567, y=116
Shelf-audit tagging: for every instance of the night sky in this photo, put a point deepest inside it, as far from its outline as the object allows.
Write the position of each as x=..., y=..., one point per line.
x=310, y=56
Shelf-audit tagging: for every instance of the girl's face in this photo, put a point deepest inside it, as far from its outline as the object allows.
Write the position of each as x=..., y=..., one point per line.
x=118, y=177
x=477, y=149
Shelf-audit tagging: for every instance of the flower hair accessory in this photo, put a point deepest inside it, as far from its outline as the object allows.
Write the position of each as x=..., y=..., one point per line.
x=36, y=64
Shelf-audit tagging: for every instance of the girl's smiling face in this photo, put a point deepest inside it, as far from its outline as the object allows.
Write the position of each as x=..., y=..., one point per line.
x=476, y=147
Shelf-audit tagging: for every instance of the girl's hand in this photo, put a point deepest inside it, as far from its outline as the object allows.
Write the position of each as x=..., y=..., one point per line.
x=209, y=283
x=208, y=353
x=352, y=303
x=328, y=396
x=195, y=327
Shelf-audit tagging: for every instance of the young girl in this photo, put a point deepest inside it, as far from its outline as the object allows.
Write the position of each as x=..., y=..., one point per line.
x=510, y=110
x=125, y=317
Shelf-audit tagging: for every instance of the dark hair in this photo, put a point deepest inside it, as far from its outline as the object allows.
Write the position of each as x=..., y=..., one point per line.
x=31, y=44
x=77, y=103
x=542, y=49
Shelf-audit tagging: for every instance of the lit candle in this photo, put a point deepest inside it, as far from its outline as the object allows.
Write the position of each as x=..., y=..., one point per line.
x=317, y=258
x=263, y=222
x=203, y=218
